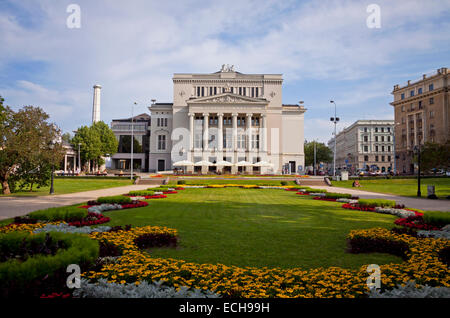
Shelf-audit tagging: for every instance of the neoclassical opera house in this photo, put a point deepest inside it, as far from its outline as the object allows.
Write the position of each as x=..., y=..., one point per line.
x=227, y=122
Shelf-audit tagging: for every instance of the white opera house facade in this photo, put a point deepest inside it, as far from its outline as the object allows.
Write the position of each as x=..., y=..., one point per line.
x=227, y=122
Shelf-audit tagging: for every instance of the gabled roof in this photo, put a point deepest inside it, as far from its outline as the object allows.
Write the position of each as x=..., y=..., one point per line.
x=225, y=98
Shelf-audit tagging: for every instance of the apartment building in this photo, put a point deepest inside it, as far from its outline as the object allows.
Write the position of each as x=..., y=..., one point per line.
x=422, y=115
x=365, y=145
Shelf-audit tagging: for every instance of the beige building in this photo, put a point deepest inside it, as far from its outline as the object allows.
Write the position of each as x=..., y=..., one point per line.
x=227, y=121
x=365, y=145
x=421, y=114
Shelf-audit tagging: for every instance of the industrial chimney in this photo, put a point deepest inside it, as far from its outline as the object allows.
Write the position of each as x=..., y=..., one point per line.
x=96, y=104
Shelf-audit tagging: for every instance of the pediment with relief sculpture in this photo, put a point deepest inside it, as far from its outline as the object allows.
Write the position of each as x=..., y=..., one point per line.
x=227, y=98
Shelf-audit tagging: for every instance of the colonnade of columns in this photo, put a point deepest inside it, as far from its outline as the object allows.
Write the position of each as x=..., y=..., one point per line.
x=260, y=128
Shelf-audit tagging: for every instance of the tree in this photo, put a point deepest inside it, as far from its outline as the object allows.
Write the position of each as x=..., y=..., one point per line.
x=90, y=145
x=434, y=156
x=28, y=144
x=323, y=153
x=109, y=143
x=67, y=138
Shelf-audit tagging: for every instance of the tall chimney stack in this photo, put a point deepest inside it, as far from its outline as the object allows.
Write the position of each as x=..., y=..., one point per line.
x=96, y=104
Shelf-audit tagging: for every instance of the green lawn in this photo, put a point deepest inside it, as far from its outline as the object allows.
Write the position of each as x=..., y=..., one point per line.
x=68, y=185
x=403, y=187
x=232, y=181
x=251, y=227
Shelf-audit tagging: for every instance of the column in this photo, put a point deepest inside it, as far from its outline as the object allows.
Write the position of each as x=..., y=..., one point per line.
x=424, y=127
x=249, y=140
x=205, y=131
x=65, y=163
x=249, y=132
x=191, y=133
x=220, y=133
x=407, y=133
x=263, y=145
x=415, y=129
x=234, y=169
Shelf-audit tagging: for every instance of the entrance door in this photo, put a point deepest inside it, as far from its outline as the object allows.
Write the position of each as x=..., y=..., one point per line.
x=292, y=166
x=161, y=165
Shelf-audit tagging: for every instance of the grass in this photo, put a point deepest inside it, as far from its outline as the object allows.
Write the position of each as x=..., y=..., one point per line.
x=402, y=187
x=244, y=227
x=231, y=181
x=64, y=186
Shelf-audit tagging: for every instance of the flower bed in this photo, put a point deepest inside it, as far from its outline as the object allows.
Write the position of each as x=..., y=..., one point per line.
x=422, y=264
x=91, y=219
x=24, y=277
x=416, y=222
x=170, y=192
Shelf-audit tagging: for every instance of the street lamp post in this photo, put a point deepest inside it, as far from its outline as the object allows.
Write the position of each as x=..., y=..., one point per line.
x=417, y=150
x=315, y=155
x=52, y=189
x=335, y=120
x=79, y=157
x=132, y=139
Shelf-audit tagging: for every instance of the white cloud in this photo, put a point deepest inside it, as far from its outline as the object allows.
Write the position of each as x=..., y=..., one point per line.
x=133, y=49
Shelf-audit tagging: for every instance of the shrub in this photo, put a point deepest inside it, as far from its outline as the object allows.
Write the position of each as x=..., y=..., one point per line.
x=284, y=183
x=149, y=240
x=376, y=202
x=332, y=195
x=181, y=182
x=444, y=255
x=141, y=193
x=117, y=199
x=40, y=273
x=410, y=290
x=436, y=218
x=103, y=289
x=67, y=214
x=360, y=244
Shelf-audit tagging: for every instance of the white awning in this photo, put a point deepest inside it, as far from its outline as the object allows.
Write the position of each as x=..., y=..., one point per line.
x=203, y=163
x=244, y=163
x=183, y=163
x=224, y=163
x=263, y=164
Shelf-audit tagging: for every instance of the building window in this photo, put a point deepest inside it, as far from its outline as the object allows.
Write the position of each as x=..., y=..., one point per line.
x=403, y=96
x=412, y=106
x=431, y=113
x=382, y=148
x=376, y=138
x=366, y=138
x=257, y=92
x=376, y=148
x=431, y=100
x=389, y=158
x=376, y=158
x=419, y=91
x=382, y=158
x=430, y=87
x=366, y=149
x=388, y=138
x=420, y=104
x=403, y=108
x=403, y=120
x=411, y=93
x=388, y=129
x=241, y=141
x=366, y=158
x=376, y=129
x=158, y=122
x=382, y=129
x=161, y=142
x=389, y=149
x=382, y=138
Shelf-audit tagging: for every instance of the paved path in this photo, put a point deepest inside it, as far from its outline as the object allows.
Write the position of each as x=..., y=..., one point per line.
x=17, y=206
x=422, y=204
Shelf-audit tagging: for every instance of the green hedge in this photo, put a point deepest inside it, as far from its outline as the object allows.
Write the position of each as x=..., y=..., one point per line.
x=16, y=275
x=116, y=199
x=141, y=193
x=437, y=218
x=68, y=214
x=333, y=195
x=376, y=202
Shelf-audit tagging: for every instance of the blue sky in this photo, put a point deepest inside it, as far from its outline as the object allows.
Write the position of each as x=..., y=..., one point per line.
x=324, y=50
